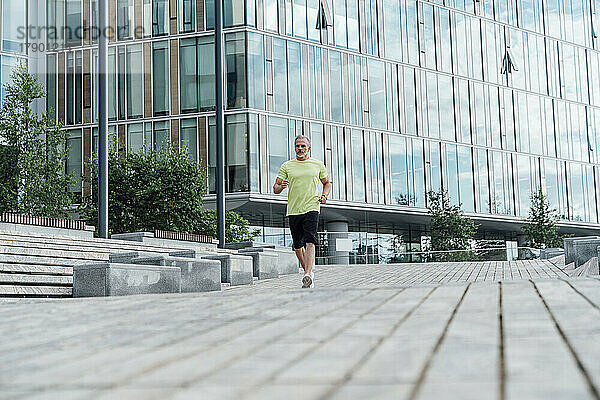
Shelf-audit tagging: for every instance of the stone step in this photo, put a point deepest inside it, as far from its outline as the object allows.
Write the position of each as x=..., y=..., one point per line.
x=39, y=260
x=97, y=247
x=35, y=269
x=37, y=252
x=27, y=279
x=33, y=291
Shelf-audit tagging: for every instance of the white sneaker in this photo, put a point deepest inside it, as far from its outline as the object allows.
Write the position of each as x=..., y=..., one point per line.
x=306, y=281
x=312, y=278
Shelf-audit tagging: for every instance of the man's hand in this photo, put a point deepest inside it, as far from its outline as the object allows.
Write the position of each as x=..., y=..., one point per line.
x=279, y=185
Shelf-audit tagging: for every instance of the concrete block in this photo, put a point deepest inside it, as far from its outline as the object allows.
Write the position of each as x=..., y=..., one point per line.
x=568, y=245
x=191, y=253
x=243, y=245
x=264, y=264
x=584, y=250
x=197, y=275
x=149, y=239
x=126, y=257
x=548, y=253
x=287, y=261
x=235, y=269
x=114, y=279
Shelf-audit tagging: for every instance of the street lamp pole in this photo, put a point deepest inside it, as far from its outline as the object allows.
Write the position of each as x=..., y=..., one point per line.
x=102, y=119
x=220, y=181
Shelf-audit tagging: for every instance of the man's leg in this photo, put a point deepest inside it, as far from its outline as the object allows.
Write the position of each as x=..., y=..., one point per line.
x=300, y=253
x=309, y=257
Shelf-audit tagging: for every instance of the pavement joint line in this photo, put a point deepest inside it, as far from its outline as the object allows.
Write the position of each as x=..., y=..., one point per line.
x=502, y=355
x=180, y=339
x=596, y=306
x=232, y=361
x=321, y=342
x=593, y=389
x=132, y=340
x=348, y=376
x=422, y=376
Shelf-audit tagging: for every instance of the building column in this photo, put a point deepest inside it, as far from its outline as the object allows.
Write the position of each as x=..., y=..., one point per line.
x=337, y=230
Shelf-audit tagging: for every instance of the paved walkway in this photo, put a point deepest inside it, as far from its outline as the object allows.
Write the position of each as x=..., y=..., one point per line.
x=446, y=331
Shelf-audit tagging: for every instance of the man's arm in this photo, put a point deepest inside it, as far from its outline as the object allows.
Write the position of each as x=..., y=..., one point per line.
x=326, y=190
x=279, y=185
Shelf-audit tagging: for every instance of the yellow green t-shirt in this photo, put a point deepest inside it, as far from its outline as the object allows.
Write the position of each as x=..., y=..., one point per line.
x=304, y=178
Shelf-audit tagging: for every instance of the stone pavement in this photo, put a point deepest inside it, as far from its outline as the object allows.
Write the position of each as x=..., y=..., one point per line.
x=518, y=330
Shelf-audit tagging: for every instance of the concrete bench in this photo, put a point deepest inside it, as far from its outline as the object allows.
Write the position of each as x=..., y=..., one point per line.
x=584, y=250
x=114, y=279
x=546, y=254
x=197, y=274
x=287, y=262
x=235, y=269
x=568, y=245
x=265, y=263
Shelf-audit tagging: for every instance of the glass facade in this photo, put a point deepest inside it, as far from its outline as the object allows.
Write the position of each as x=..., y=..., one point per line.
x=487, y=99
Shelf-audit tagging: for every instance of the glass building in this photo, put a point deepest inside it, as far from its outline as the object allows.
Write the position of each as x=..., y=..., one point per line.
x=488, y=99
x=13, y=40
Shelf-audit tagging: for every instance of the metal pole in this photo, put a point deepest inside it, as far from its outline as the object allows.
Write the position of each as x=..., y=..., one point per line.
x=102, y=119
x=220, y=184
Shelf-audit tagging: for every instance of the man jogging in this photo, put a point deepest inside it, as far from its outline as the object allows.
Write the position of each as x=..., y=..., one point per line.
x=302, y=175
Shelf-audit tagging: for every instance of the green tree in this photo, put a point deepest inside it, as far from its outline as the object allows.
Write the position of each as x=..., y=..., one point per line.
x=33, y=153
x=540, y=229
x=237, y=228
x=158, y=189
x=449, y=228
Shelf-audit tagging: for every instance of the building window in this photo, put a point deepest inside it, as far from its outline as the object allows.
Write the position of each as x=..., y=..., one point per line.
x=299, y=18
x=482, y=186
x=197, y=74
x=70, y=86
x=355, y=86
x=338, y=163
x=294, y=78
x=160, y=17
x=121, y=82
x=135, y=82
x=161, y=137
x=188, y=137
x=74, y=159
x=236, y=154
x=335, y=82
x=14, y=16
x=147, y=18
x=280, y=81
x=187, y=12
x=51, y=87
x=124, y=19
x=78, y=87
x=407, y=171
x=112, y=138
x=315, y=76
x=233, y=13
x=160, y=77
x=256, y=72
x=112, y=83
x=377, y=98
x=235, y=69
x=135, y=138
x=74, y=32
x=254, y=154
x=370, y=23
x=358, y=166
x=312, y=14
x=377, y=182
x=278, y=145
x=271, y=23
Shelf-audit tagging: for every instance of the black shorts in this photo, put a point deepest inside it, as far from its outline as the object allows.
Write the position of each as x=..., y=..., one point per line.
x=304, y=228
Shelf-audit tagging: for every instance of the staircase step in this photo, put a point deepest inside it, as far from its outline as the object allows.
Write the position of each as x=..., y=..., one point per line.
x=35, y=269
x=31, y=291
x=26, y=279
